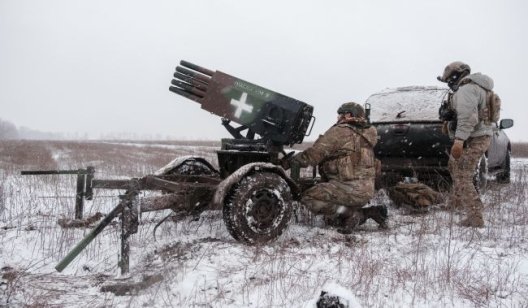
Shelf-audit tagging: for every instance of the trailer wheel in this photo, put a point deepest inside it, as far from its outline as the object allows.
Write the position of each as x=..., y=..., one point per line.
x=193, y=166
x=258, y=209
x=193, y=203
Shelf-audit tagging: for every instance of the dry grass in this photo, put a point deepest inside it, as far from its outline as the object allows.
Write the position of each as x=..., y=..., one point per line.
x=122, y=158
x=25, y=154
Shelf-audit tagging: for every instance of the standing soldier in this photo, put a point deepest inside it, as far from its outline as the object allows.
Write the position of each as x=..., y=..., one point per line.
x=471, y=130
x=346, y=162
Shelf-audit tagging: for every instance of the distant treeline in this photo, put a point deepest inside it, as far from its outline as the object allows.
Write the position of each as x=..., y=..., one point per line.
x=9, y=131
x=520, y=149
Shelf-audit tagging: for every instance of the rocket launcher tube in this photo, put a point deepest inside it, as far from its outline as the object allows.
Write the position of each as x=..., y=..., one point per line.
x=197, y=68
x=189, y=88
x=194, y=82
x=186, y=94
x=192, y=74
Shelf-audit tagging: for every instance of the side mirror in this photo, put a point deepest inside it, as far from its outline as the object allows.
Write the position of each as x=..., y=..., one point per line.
x=506, y=123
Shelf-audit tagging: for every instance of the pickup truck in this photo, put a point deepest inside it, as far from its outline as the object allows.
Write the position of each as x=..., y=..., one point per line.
x=411, y=142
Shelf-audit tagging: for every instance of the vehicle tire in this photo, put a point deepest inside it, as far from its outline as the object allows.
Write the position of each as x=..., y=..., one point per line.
x=387, y=179
x=193, y=166
x=480, y=178
x=258, y=208
x=438, y=182
x=504, y=176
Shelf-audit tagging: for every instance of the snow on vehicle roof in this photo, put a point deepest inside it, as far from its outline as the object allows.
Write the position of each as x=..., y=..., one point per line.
x=413, y=103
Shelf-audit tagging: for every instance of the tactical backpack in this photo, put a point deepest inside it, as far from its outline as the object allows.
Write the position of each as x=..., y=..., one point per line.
x=491, y=113
x=416, y=196
x=493, y=105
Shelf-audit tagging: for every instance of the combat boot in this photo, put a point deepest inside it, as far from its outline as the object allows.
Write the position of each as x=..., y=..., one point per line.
x=335, y=221
x=453, y=204
x=473, y=220
x=339, y=217
x=353, y=219
x=378, y=213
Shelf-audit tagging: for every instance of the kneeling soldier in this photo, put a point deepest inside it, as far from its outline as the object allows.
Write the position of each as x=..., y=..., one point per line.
x=345, y=157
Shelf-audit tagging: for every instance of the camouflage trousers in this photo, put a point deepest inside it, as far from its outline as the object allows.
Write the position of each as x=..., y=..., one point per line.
x=325, y=198
x=463, y=192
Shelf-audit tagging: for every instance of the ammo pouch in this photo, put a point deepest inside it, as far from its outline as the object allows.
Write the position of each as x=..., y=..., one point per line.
x=490, y=112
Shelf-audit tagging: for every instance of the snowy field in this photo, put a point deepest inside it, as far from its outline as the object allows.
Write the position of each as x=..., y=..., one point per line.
x=423, y=260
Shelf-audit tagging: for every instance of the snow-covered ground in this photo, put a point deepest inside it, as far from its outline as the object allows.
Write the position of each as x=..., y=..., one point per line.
x=423, y=260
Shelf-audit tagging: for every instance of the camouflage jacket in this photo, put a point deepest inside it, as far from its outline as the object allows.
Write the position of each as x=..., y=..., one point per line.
x=343, y=153
x=468, y=101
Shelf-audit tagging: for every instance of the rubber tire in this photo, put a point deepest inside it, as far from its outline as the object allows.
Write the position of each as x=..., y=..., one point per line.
x=504, y=177
x=258, y=193
x=480, y=179
x=438, y=182
x=192, y=167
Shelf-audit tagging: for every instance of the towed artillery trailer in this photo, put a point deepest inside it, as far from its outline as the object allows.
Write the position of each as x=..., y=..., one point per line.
x=255, y=195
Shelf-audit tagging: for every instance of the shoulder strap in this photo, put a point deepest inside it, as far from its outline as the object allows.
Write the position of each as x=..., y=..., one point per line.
x=359, y=133
x=489, y=93
x=466, y=81
x=342, y=153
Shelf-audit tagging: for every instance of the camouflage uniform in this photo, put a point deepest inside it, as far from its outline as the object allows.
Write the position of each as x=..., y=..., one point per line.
x=473, y=127
x=463, y=192
x=346, y=162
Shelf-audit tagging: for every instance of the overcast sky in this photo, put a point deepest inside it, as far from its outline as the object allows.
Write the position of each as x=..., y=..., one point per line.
x=105, y=66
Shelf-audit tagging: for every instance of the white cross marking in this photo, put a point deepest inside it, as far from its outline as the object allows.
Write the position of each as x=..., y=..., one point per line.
x=241, y=105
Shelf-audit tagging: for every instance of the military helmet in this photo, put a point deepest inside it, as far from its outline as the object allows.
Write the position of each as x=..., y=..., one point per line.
x=456, y=67
x=354, y=108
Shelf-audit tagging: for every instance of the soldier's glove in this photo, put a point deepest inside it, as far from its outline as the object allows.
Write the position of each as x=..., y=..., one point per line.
x=377, y=165
x=457, y=148
x=285, y=162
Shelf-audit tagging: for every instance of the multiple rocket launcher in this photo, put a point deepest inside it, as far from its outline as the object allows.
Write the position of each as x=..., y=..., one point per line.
x=277, y=118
